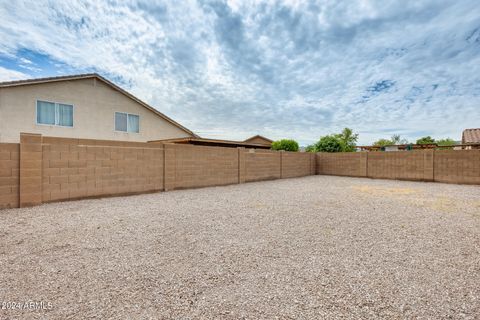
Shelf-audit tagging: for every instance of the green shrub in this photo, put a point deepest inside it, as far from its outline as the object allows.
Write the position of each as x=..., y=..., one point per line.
x=329, y=143
x=445, y=142
x=383, y=142
x=344, y=141
x=396, y=139
x=310, y=148
x=426, y=140
x=285, y=144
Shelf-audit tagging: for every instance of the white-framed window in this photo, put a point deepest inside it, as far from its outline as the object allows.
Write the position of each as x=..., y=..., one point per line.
x=54, y=114
x=127, y=122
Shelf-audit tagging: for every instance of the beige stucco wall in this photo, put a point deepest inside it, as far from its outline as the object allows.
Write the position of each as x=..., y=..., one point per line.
x=95, y=104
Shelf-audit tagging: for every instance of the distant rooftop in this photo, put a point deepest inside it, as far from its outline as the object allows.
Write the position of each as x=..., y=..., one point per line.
x=213, y=143
x=471, y=135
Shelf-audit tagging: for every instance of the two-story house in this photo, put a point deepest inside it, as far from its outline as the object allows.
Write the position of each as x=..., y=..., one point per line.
x=84, y=106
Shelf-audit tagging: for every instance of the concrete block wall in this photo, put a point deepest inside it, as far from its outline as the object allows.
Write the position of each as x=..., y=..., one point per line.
x=296, y=164
x=352, y=164
x=46, y=169
x=262, y=165
x=77, y=171
x=242, y=166
x=9, y=175
x=451, y=166
x=30, y=170
x=398, y=165
x=460, y=166
x=200, y=166
x=93, y=142
x=170, y=166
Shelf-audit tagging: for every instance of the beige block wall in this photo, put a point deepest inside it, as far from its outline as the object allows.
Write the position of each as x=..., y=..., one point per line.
x=460, y=166
x=296, y=164
x=30, y=170
x=199, y=166
x=73, y=171
x=412, y=165
x=9, y=175
x=43, y=169
x=352, y=164
x=397, y=165
x=451, y=166
x=95, y=104
x=262, y=165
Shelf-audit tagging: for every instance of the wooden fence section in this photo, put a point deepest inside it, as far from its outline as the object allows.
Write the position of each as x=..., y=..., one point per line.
x=451, y=166
x=45, y=169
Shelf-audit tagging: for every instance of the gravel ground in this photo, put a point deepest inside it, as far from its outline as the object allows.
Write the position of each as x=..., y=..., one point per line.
x=306, y=248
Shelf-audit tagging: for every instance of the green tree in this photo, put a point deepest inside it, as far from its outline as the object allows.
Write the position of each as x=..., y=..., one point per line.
x=426, y=140
x=285, y=144
x=329, y=143
x=383, y=142
x=348, y=139
x=445, y=142
x=395, y=139
x=345, y=141
x=310, y=148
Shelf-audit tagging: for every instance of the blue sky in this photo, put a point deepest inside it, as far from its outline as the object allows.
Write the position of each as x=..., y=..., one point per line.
x=284, y=69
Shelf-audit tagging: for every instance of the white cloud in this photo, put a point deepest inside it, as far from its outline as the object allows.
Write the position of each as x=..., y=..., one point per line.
x=25, y=61
x=9, y=75
x=294, y=68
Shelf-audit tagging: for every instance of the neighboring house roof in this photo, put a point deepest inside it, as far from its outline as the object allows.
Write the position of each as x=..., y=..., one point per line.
x=471, y=135
x=98, y=77
x=259, y=137
x=399, y=147
x=213, y=143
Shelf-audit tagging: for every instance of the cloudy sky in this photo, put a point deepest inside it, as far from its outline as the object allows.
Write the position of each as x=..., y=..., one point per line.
x=284, y=69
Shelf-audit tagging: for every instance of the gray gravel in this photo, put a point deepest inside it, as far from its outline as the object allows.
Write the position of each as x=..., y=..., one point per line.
x=307, y=248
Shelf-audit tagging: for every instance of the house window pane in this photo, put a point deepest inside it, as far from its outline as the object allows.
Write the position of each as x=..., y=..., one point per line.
x=65, y=115
x=120, y=121
x=45, y=112
x=133, y=123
